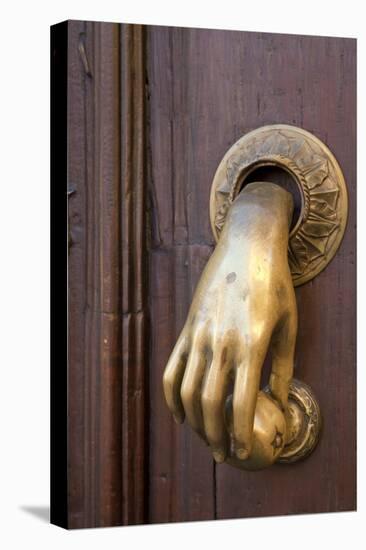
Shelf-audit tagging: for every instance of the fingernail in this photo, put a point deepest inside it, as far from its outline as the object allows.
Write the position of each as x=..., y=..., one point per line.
x=242, y=454
x=219, y=456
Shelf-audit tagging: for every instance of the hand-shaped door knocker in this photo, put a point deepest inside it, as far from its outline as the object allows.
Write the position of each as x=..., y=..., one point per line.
x=245, y=305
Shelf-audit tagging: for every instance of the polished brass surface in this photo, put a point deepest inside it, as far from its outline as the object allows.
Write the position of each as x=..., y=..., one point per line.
x=269, y=434
x=319, y=230
x=244, y=304
x=303, y=422
x=279, y=437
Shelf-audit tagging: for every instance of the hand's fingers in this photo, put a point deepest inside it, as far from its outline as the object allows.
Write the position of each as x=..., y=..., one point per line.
x=283, y=349
x=213, y=401
x=173, y=376
x=245, y=395
x=199, y=357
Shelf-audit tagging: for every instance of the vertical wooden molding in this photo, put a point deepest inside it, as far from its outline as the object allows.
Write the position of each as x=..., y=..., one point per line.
x=107, y=288
x=134, y=273
x=95, y=355
x=103, y=271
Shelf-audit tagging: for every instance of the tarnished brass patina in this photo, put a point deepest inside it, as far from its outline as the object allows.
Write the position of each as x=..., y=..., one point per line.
x=245, y=305
x=324, y=205
x=303, y=422
x=269, y=434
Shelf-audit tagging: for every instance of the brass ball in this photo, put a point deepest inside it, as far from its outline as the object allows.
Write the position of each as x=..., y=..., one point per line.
x=269, y=433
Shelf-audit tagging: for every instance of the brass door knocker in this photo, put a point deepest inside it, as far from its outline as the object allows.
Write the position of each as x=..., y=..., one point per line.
x=245, y=304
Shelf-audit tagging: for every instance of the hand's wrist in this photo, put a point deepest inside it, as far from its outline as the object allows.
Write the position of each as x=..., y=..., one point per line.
x=261, y=211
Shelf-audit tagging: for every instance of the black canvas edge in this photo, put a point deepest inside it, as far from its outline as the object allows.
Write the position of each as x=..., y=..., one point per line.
x=59, y=256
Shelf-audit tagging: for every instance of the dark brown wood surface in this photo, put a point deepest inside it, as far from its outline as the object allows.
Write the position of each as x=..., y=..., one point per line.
x=134, y=276
x=95, y=377
x=207, y=88
x=151, y=112
x=107, y=290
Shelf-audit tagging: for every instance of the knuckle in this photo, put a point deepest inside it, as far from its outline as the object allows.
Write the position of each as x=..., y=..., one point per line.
x=254, y=340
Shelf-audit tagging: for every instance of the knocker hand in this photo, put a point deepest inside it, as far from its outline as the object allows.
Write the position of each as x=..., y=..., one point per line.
x=244, y=305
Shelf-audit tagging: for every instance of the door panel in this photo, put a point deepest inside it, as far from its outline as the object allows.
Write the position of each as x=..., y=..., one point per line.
x=206, y=89
x=151, y=112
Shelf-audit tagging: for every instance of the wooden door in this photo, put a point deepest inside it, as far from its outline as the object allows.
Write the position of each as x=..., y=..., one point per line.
x=151, y=112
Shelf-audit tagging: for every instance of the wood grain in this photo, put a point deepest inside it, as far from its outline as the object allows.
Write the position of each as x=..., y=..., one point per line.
x=182, y=484
x=151, y=112
x=107, y=275
x=134, y=275
x=93, y=281
x=207, y=88
x=181, y=473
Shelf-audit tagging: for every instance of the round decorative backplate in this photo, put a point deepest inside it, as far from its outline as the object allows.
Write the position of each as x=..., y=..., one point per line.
x=322, y=221
x=303, y=423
